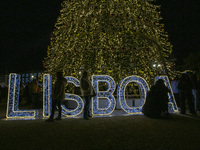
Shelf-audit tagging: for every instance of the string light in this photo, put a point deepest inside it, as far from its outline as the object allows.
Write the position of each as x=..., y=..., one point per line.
x=14, y=87
x=108, y=95
x=132, y=37
x=121, y=94
x=72, y=97
x=47, y=92
x=13, y=100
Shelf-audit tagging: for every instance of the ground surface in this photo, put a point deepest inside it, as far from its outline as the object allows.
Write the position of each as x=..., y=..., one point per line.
x=178, y=132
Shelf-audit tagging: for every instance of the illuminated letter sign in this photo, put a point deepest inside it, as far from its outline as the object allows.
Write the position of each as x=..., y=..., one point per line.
x=14, y=87
x=172, y=103
x=47, y=100
x=106, y=95
x=121, y=94
x=13, y=100
x=47, y=91
x=78, y=99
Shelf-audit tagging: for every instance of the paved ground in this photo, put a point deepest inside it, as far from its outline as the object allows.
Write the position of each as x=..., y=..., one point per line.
x=178, y=132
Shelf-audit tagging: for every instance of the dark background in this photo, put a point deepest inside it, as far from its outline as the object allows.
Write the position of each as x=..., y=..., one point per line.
x=26, y=26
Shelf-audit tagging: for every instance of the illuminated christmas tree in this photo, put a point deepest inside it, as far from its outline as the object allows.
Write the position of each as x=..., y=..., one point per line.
x=114, y=37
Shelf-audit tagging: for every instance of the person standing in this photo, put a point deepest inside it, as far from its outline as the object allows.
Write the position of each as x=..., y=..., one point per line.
x=27, y=94
x=195, y=88
x=185, y=89
x=86, y=92
x=21, y=94
x=33, y=92
x=58, y=95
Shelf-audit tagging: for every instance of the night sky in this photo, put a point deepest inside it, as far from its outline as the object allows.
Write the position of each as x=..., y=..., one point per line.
x=26, y=26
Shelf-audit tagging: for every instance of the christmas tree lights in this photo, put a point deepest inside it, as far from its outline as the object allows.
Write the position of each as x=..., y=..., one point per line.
x=113, y=37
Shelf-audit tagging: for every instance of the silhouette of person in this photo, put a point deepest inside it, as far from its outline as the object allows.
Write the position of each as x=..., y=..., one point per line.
x=33, y=92
x=157, y=100
x=86, y=92
x=27, y=94
x=21, y=94
x=185, y=89
x=58, y=95
x=195, y=88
